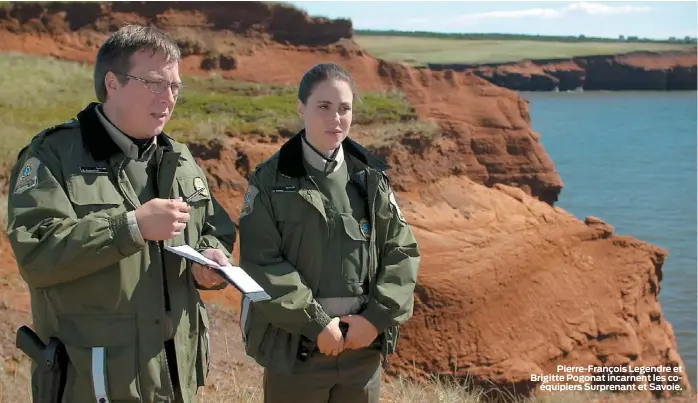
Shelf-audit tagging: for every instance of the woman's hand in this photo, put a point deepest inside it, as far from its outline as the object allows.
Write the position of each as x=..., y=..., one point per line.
x=361, y=332
x=330, y=341
x=205, y=276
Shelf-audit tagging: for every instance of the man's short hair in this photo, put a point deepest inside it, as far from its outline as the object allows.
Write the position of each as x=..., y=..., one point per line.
x=115, y=53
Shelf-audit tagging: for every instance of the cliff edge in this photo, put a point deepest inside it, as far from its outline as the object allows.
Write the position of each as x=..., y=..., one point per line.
x=643, y=70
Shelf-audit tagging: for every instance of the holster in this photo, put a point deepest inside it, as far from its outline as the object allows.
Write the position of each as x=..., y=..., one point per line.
x=54, y=372
x=48, y=383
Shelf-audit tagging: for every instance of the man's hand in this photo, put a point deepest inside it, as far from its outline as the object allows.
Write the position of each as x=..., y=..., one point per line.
x=162, y=219
x=205, y=276
x=361, y=332
x=330, y=340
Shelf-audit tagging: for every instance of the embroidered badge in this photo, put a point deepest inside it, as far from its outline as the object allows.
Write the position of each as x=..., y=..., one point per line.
x=200, y=186
x=365, y=228
x=397, y=208
x=248, y=203
x=28, y=176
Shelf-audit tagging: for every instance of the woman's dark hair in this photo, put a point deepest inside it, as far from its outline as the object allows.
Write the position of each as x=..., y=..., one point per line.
x=323, y=72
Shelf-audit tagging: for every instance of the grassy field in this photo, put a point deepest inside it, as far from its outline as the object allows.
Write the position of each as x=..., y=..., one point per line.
x=39, y=92
x=419, y=51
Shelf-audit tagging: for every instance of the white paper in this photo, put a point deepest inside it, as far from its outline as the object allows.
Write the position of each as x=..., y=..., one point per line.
x=243, y=280
x=191, y=254
x=233, y=274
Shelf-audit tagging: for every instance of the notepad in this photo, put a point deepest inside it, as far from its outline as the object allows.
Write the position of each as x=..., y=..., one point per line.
x=234, y=274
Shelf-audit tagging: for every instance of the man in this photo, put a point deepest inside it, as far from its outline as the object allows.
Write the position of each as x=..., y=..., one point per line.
x=92, y=205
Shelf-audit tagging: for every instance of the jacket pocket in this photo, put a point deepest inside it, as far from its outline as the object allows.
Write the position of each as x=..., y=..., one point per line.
x=103, y=355
x=355, y=249
x=92, y=193
x=203, y=356
x=188, y=188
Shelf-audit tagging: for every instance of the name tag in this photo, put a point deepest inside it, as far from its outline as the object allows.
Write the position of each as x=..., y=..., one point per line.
x=284, y=189
x=93, y=170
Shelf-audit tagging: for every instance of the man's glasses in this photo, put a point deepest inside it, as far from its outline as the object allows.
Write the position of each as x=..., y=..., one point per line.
x=158, y=86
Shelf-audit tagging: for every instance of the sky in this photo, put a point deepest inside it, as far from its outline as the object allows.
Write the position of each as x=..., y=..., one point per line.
x=605, y=19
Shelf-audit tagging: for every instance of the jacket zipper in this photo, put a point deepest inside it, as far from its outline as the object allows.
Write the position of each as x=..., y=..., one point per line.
x=165, y=294
x=160, y=251
x=373, y=272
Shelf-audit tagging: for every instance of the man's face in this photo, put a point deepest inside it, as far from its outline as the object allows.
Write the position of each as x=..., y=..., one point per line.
x=140, y=112
x=327, y=114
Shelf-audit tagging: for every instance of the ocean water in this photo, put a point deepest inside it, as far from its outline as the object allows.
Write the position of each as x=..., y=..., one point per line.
x=629, y=158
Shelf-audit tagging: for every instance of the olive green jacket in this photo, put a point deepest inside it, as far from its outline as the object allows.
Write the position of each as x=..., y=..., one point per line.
x=92, y=285
x=283, y=230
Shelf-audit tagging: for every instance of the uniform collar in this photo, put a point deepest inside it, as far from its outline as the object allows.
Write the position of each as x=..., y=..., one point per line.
x=98, y=141
x=291, y=156
x=320, y=162
x=127, y=146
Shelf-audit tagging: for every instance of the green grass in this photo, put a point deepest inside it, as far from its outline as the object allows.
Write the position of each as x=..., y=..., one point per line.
x=419, y=51
x=3, y=211
x=522, y=37
x=40, y=92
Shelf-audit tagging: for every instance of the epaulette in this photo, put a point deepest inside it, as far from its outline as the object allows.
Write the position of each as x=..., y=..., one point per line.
x=68, y=124
x=274, y=158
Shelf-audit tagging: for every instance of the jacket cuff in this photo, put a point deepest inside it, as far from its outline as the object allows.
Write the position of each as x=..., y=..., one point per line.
x=378, y=316
x=318, y=323
x=134, y=229
x=123, y=238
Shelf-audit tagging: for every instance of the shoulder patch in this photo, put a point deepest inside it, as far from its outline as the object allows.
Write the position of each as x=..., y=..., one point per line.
x=28, y=176
x=391, y=197
x=248, y=203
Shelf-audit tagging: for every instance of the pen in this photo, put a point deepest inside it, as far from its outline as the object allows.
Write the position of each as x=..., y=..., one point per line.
x=188, y=199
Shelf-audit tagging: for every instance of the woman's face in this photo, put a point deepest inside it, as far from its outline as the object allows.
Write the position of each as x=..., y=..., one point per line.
x=327, y=114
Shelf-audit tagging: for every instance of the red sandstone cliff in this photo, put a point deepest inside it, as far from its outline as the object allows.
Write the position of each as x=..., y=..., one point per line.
x=652, y=71
x=509, y=285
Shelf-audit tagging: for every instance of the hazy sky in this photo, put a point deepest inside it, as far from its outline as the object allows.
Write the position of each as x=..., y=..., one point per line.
x=608, y=19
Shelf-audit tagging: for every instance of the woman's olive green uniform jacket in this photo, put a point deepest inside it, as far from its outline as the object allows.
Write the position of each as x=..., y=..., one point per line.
x=283, y=231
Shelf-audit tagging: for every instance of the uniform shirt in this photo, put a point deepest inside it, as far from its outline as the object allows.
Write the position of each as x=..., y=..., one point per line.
x=142, y=161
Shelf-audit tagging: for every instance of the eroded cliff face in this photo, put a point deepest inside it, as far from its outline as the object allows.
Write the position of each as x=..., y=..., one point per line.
x=276, y=21
x=652, y=71
x=513, y=287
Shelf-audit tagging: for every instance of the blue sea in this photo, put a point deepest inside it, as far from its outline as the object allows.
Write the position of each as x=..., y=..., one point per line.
x=629, y=158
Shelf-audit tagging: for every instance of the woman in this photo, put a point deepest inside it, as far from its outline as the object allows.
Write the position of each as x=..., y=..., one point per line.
x=321, y=231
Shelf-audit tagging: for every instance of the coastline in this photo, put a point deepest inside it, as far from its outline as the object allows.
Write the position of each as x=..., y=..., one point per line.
x=634, y=71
